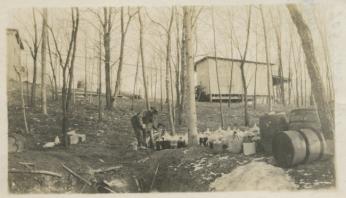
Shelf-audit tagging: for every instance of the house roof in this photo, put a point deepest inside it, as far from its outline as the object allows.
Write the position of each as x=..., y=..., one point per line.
x=19, y=40
x=227, y=59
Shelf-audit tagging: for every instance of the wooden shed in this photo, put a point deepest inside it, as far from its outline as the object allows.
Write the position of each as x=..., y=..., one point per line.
x=206, y=78
x=14, y=49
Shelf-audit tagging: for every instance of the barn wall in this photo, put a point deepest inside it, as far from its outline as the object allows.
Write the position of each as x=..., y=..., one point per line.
x=261, y=85
x=13, y=54
x=224, y=68
x=202, y=77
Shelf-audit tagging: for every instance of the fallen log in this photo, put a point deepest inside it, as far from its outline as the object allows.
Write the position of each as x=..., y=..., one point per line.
x=154, y=177
x=99, y=186
x=27, y=165
x=107, y=169
x=76, y=175
x=43, y=172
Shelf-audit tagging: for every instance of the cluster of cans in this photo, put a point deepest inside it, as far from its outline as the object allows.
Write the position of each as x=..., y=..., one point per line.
x=170, y=143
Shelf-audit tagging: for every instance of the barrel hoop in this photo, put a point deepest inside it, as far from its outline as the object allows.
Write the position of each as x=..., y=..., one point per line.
x=307, y=146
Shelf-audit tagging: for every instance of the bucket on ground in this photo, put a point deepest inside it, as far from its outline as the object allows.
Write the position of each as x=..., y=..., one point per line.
x=298, y=146
x=249, y=148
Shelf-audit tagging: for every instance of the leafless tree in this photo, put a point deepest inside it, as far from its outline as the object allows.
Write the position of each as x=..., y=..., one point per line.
x=44, y=62
x=232, y=63
x=324, y=39
x=99, y=92
x=106, y=22
x=256, y=67
x=67, y=66
x=34, y=47
x=242, y=70
x=54, y=70
x=267, y=60
x=217, y=72
x=319, y=92
x=19, y=71
x=135, y=83
x=142, y=58
x=123, y=31
x=190, y=90
x=85, y=69
x=169, y=82
x=277, y=30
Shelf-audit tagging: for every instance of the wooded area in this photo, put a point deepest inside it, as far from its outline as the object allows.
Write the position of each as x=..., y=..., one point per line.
x=198, y=71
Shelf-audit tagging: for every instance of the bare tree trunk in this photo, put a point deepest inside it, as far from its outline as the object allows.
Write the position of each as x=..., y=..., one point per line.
x=161, y=90
x=53, y=67
x=85, y=70
x=142, y=59
x=34, y=53
x=267, y=60
x=107, y=26
x=305, y=90
x=172, y=92
x=217, y=73
x=19, y=71
x=183, y=74
x=290, y=72
x=177, y=72
x=155, y=87
x=43, y=63
x=277, y=29
x=329, y=76
x=135, y=83
x=168, y=68
x=319, y=92
x=69, y=64
x=27, y=79
x=295, y=73
x=301, y=82
x=99, y=81
x=121, y=56
x=255, y=83
x=190, y=91
x=246, y=114
x=232, y=66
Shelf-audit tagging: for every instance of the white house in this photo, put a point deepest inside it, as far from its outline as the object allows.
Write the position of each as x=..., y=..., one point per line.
x=206, y=77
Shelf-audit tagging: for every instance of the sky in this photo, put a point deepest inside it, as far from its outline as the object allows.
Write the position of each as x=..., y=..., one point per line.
x=228, y=20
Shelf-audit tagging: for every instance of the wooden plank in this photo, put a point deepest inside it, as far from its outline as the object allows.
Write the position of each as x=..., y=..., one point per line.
x=43, y=172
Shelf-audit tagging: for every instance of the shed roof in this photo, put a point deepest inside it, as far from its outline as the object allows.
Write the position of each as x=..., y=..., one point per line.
x=227, y=59
x=19, y=40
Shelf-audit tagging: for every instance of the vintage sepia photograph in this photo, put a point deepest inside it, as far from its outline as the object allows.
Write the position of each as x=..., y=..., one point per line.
x=176, y=98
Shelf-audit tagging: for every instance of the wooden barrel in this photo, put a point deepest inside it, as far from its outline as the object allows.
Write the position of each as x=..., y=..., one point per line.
x=304, y=118
x=315, y=144
x=270, y=125
x=294, y=147
x=289, y=148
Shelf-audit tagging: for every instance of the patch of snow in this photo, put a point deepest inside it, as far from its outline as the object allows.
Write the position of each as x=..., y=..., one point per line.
x=254, y=176
x=198, y=167
x=143, y=160
x=117, y=183
x=258, y=159
x=223, y=158
x=321, y=182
